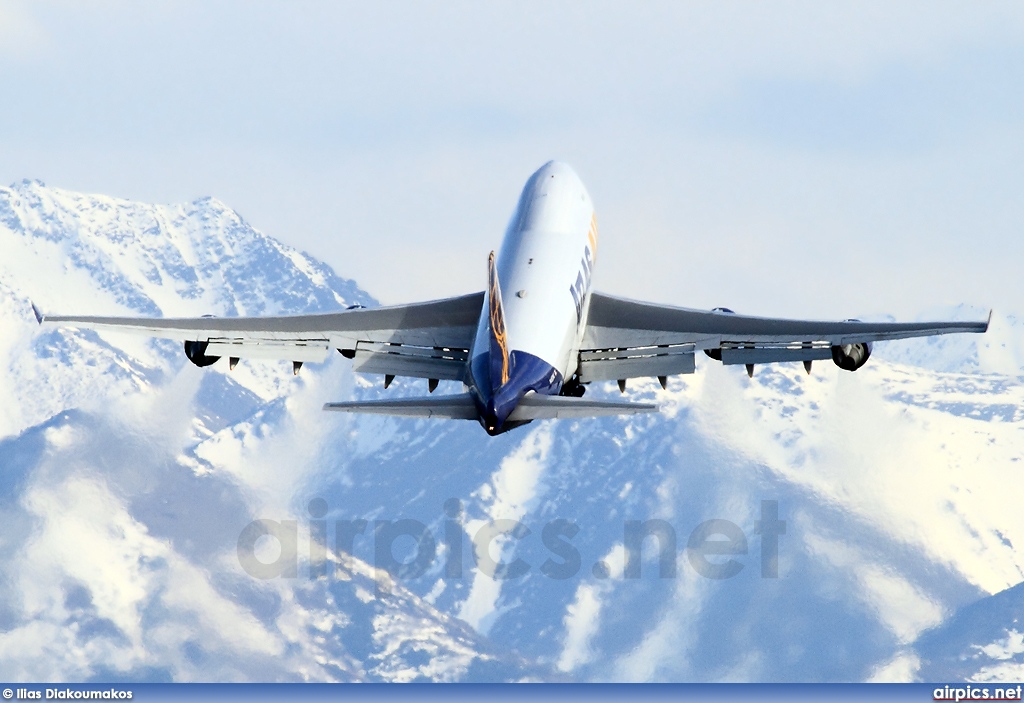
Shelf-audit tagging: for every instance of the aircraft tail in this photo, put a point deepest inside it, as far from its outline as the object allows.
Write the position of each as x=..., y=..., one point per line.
x=500, y=361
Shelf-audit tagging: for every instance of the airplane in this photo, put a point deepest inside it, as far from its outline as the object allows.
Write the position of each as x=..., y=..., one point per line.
x=526, y=347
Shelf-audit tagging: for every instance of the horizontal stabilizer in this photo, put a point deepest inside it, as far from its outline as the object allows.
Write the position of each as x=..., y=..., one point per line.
x=452, y=407
x=543, y=407
x=461, y=407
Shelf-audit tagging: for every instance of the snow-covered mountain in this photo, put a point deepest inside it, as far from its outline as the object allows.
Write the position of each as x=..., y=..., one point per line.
x=127, y=477
x=119, y=560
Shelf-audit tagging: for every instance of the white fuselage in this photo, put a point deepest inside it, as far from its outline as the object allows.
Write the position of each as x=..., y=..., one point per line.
x=544, y=271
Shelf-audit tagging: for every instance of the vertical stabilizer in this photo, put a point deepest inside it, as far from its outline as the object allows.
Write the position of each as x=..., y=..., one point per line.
x=499, y=343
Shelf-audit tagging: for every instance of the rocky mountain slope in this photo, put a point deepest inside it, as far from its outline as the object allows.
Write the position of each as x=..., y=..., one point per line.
x=127, y=477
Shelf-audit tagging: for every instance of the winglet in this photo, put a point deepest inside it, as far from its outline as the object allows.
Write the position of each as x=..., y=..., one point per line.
x=989, y=320
x=35, y=311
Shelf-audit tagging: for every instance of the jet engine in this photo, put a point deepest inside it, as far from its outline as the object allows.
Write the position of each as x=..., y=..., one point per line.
x=196, y=353
x=850, y=357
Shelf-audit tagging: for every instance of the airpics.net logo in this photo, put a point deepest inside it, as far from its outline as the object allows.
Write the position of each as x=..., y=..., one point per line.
x=506, y=549
x=977, y=693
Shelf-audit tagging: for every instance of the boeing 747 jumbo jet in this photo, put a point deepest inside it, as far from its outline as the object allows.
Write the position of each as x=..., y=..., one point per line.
x=526, y=347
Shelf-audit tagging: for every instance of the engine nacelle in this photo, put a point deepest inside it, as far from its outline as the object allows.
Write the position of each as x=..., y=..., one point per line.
x=716, y=354
x=196, y=353
x=850, y=357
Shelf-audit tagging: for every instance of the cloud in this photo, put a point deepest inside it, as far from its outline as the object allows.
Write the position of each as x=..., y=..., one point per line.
x=901, y=607
x=583, y=615
x=512, y=492
x=22, y=36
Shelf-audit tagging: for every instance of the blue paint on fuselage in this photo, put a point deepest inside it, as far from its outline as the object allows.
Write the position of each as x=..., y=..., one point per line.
x=526, y=373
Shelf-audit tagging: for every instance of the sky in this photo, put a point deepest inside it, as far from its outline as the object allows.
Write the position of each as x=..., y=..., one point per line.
x=780, y=158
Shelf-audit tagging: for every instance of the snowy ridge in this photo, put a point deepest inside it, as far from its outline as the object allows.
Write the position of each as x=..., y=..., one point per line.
x=1000, y=351
x=74, y=253
x=983, y=642
x=164, y=599
x=127, y=476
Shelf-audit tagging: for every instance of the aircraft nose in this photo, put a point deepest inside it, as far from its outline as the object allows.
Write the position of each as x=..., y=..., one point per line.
x=557, y=168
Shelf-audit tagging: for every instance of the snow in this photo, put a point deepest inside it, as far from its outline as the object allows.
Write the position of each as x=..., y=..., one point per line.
x=127, y=476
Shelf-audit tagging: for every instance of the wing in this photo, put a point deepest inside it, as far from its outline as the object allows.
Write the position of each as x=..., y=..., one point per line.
x=625, y=338
x=427, y=340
